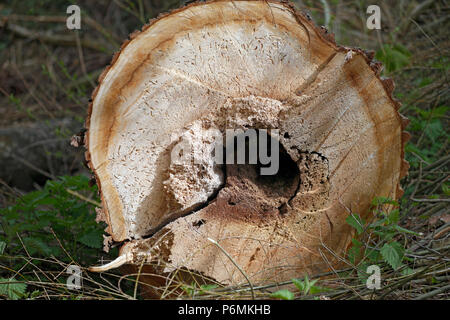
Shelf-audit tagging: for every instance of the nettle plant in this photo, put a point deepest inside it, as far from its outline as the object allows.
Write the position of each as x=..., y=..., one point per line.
x=28, y=224
x=50, y=226
x=375, y=243
x=305, y=287
x=52, y=222
x=378, y=242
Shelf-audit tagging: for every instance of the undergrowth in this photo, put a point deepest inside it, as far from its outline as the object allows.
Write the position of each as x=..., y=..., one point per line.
x=44, y=232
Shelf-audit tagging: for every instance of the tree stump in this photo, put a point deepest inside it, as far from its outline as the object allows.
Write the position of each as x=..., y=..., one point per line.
x=219, y=65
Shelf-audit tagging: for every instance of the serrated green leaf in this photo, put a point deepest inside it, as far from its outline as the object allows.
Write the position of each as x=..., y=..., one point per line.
x=393, y=217
x=283, y=294
x=391, y=255
x=12, y=289
x=353, y=254
x=399, y=248
x=407, y=271
x=356, y=222
x=372, y=255
x=37, y=245
x=92, y=239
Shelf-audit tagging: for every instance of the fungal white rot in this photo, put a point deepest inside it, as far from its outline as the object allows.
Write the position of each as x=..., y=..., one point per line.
x=245, y=65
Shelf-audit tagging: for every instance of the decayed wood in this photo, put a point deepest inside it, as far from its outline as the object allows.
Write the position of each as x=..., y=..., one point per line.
x=240, y=64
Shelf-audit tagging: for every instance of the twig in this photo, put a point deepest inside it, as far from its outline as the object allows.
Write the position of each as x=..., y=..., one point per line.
x=235, y=264
x=78, y=195
x=433, y=293
x=54, y=39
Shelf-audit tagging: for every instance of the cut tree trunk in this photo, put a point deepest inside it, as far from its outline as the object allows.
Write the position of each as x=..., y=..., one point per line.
x=240, y=65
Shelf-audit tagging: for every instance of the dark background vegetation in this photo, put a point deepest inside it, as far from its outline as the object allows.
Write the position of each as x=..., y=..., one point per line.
x=47, y=216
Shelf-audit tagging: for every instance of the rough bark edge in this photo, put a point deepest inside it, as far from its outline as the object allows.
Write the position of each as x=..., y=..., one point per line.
x=302, y=18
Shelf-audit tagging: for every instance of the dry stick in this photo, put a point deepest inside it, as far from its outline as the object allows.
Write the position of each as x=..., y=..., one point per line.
x=45, y=290
x=433, y=293
x=418, y=182
x=55, y=39
x=81, y=58
x=404, y=26
x=41, y=104
x=169, y=281
x=85, y=79
x=326, y=11
x=435, y=273
x=437, y=184
x=430, y=200
x=432, y=42
x=438, y=181
x=427, y=250
x=136, y=14
x=61, y=19
x=14, y=191
x=137, y=279
x=408, y=278
x=419, y=142
x=50, y=284
x=442, y=230
x=334, y=271
x=29, y=261
x=78, y=195
x=29, y=257
x=278, y=284
x=235, y=264
x=48, y=175
x=112, y=38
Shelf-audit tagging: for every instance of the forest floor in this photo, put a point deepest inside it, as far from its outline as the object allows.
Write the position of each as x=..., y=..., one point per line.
x=47, y=203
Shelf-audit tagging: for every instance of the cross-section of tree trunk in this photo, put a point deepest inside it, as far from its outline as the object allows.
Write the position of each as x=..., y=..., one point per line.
x=245, y=65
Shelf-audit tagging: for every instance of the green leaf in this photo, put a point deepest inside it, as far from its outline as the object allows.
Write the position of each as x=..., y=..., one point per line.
x=407, y=271
x=12, y=289
x=356, y=222
x=377, y=201
x=207, y=287
x=353, y=254
x=394, y=57
x=305, y=285
x=386, y=233
x=362, y=272
x=92, y=239
x=2, y=247
x=401, y=229
x=283, y=294
x=35, y=294
x=372, y=255
x=319, y=289
x=190, y=290
x=391, y=254
x=37, y=245
x=394, y=217
x=446, y=189
x=399, y=248
x=299, y=284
